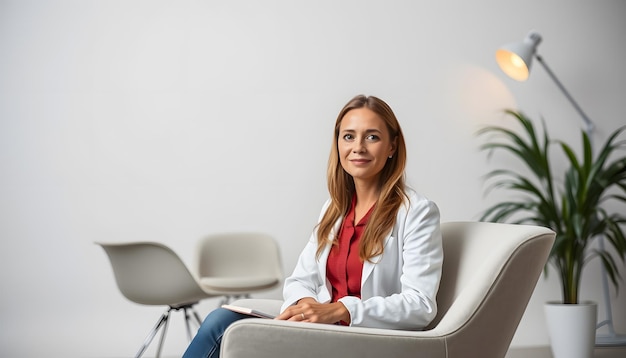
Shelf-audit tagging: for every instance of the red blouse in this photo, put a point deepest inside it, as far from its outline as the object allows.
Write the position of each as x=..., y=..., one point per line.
x=344, y=267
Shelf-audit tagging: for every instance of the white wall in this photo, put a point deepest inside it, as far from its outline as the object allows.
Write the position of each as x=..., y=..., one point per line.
x=169, y=120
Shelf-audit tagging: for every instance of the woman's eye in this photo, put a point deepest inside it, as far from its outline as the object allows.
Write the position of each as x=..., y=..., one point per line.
x=372, y=137
x=348, y=137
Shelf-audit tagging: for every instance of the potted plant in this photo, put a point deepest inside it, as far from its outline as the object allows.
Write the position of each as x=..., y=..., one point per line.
x=572, y=203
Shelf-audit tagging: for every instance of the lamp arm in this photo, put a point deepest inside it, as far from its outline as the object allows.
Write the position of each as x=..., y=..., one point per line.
x=588, y=123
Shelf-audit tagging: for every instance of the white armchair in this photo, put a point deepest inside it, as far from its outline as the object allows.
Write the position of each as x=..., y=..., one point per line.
x=489, y=273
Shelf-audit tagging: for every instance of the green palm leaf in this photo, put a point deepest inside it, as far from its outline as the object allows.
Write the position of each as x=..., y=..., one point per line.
x=572, y=207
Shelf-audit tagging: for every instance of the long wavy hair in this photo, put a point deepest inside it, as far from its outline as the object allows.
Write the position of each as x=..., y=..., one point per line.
x=341, y=185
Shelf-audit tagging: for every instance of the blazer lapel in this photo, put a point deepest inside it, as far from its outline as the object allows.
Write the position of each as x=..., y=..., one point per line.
x=368, y=266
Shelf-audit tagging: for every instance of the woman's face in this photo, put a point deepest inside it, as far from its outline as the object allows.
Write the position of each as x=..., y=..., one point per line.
x=364, y=144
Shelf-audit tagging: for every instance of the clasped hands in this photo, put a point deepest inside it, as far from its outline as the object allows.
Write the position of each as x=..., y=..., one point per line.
x=309, y=310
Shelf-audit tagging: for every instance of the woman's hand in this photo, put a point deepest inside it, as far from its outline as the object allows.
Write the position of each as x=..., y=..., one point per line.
x=309, y=310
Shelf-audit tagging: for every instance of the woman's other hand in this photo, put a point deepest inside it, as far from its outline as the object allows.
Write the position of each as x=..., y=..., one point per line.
x=309, y=310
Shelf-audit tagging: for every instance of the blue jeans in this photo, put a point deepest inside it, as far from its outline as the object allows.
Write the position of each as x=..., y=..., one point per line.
x=207, y=341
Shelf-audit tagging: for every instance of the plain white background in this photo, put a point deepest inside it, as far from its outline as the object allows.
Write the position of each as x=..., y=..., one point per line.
x=170, y=120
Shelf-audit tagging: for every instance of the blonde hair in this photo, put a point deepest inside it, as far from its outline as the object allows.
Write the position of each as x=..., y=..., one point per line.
x=341, y=185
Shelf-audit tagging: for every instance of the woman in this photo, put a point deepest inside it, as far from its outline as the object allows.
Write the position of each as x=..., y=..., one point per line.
x=375, y=257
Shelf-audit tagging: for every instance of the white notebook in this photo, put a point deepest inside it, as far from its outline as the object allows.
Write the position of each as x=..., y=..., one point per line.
x=248, y=311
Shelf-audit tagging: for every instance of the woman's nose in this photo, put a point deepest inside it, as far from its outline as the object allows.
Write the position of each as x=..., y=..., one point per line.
x=359, y=146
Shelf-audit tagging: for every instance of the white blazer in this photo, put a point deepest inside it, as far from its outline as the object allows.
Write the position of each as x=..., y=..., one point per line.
x=399, y=287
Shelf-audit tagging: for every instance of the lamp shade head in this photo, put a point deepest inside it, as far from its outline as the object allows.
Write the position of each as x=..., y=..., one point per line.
x=515, y=58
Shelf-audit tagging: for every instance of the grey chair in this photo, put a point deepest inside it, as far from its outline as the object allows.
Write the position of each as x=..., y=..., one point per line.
x=238, y=264
x=229, y=265
x=489, y=273
x=150, y=273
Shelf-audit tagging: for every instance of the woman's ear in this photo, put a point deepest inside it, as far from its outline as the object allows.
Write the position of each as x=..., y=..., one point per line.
x=394, y=146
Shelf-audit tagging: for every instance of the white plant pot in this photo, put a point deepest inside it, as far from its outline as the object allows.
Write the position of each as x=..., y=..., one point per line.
x=572, y=329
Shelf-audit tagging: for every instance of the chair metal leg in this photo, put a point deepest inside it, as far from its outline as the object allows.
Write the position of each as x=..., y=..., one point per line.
x=163, y=320
x=187, y=323
x=163, y=333
x=190, y=315
x=197, y=316
x=163, y=324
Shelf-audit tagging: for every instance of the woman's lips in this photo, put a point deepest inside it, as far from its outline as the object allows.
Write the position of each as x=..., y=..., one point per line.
x=360, y=161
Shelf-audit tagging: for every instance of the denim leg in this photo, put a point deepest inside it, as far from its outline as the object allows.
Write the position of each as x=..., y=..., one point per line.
x=207, y=341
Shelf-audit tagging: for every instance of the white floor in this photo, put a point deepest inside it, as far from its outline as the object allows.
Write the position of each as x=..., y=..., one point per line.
x=544, y=352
